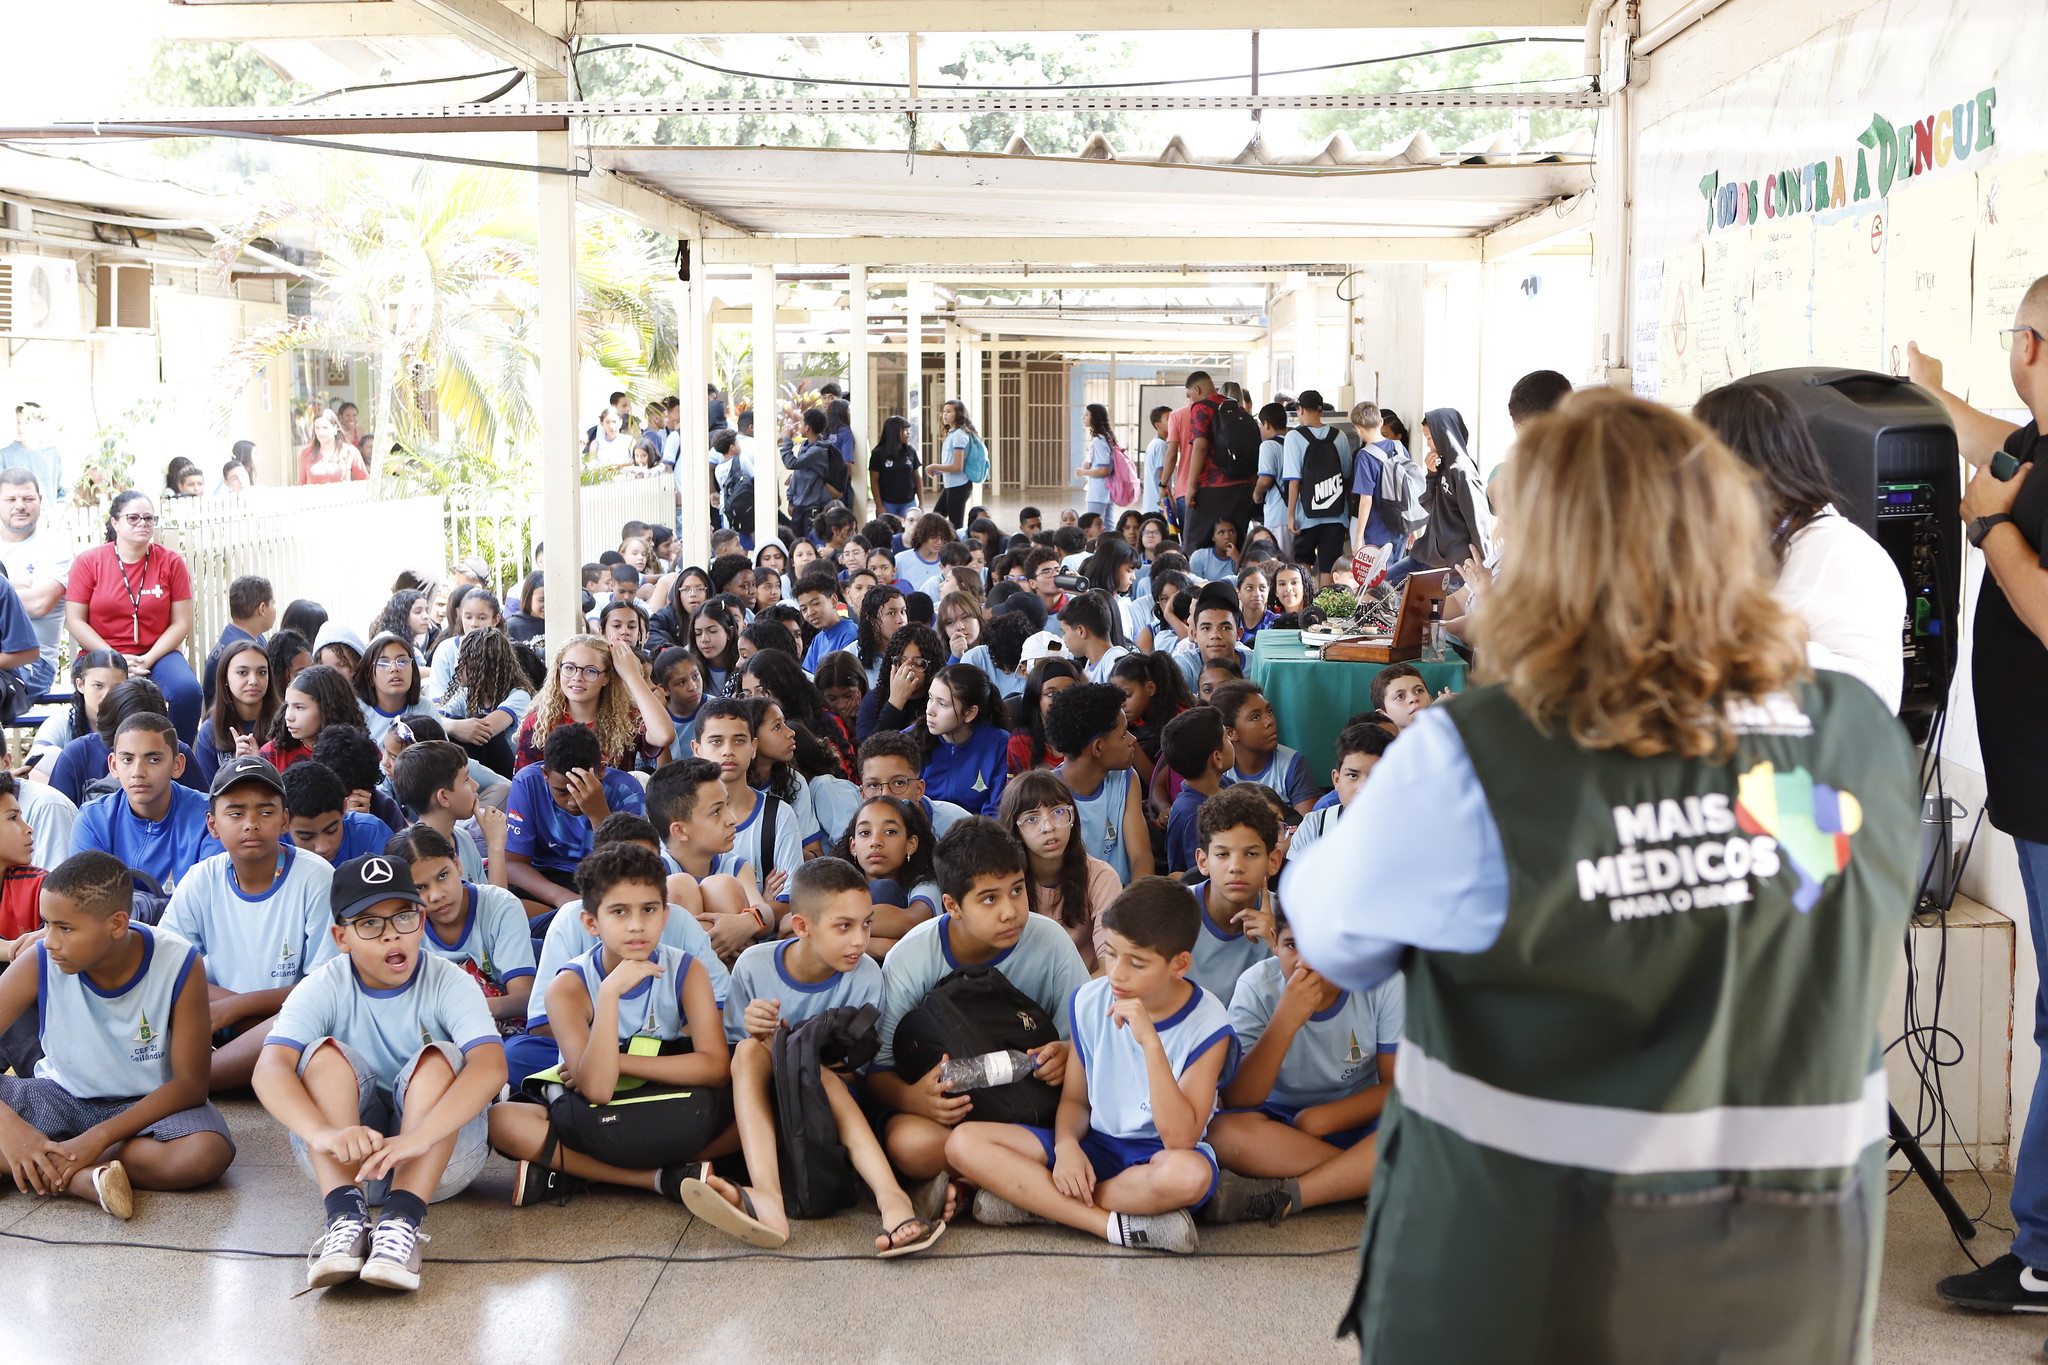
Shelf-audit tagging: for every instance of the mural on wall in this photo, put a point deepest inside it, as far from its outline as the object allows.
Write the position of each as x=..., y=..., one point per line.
x=1885, y=182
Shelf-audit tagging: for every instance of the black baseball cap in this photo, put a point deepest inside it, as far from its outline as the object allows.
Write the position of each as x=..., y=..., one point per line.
x=247, y=768
x=1310, y=398
x=366, y=881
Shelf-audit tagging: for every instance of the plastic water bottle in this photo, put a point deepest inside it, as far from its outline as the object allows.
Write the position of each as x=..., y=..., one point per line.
x=1433, y=634
x=991, y=1068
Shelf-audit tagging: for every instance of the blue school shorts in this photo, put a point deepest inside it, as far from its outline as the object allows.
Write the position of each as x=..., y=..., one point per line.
x=1284, y=1113
x=1112, y=1156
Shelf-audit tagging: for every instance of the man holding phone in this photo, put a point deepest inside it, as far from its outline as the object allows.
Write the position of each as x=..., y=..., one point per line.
x=2005, y=508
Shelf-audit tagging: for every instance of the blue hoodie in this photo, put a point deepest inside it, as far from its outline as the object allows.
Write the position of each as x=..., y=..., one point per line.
x=970, y=775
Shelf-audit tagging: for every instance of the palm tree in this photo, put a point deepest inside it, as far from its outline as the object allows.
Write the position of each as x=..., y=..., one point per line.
x=435, y=272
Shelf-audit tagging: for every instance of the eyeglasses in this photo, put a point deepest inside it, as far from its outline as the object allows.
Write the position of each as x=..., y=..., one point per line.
x=144, y=519
x=394, y=664
x=1056, y=817
x=2005, y=338
x=895, y=786
x=569, y=670
x=372, y=926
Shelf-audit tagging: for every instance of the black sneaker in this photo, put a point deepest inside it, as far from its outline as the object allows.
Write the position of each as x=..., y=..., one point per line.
x=2006, y=1285
x=534, y=1183
x=1243, y=1199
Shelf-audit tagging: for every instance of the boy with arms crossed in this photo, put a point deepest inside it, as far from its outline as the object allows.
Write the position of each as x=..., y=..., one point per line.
x=1125, y=1158
x=381, y=1065
x=988, y=918
x=256, y=912
x=122, y=1010
x=777, y=985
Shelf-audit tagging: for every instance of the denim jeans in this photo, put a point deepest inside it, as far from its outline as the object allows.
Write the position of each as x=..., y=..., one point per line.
x=2030, y=1173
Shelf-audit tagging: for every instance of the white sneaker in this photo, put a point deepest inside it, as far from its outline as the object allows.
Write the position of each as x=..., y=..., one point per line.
x=394, y=1261
x=337, y=1256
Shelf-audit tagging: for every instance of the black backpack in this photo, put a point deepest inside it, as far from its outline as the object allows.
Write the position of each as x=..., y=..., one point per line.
x=1234, y=441
x=1322, y=474
x=974, y=1010
x=818, y=1178
x=738, y=502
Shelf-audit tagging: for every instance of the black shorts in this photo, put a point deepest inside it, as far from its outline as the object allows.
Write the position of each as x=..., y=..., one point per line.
x=1324, y=545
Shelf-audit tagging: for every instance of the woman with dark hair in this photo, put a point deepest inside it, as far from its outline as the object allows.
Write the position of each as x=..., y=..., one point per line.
x=1832, y=574
x=914, y=655
x=1049, y=678
x=892, y=469
x=290, y=654
x=1067, y=883
x=487, y=697
x=774, y=674
x=409, y=615
x=965, y=739
x=843, y=683
x=882, y=614
x=959, y=439
x=1099, y=450
x=134, y=596
x=305, y=617
x=387, y=683
x=765, y=634
x=891, y=842
x=94, y=673
x=328, y=456
x=1113, y=568
x=530, y=621
x=245, y=706
x=1460, y=517
x=715, y=640
x=474, y=609
x=318, y=697
x=450, y=624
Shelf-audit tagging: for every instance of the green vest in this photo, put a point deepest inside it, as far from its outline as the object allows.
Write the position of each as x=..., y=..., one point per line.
x=1647, y=1123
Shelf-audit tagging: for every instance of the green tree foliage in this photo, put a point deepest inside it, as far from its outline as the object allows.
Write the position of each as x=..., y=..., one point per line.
x=1541, y=68
x=211, y=76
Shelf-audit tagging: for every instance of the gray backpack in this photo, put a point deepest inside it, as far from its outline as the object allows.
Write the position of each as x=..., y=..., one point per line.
x=1400, y=494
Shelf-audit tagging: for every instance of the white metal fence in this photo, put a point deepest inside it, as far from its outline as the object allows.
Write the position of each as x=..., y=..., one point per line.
x=342, y=545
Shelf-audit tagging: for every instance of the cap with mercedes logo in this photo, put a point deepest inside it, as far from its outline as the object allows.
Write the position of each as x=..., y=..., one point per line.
x=369, y=880
x=247, y=768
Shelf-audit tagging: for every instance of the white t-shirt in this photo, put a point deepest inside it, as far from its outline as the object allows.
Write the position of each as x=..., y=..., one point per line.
x=42, y=555
x=1840, y=582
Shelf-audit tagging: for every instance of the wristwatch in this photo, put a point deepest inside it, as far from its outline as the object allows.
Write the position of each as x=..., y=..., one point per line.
x=1981, y=528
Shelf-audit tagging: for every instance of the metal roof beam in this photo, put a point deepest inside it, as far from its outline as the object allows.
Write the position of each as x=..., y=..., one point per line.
x=491, y=27
x=1544, y=227
x=651, y=209
x=316, y=19
x=1021, y=253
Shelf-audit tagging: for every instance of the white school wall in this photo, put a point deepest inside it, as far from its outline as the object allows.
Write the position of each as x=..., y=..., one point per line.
x=1758, y=89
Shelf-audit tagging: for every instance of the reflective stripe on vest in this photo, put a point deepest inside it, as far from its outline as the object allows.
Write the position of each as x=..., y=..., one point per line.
x=1639, y=1142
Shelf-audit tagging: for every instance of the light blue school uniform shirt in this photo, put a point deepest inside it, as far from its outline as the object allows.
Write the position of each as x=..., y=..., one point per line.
x=841, y=634
x=955, y=444
x=1423, y=794
x=567, y=940
x=1043, y=963
x=1007, y=685
x=386, y=1028
x=654, y=1007
x=1148, y=483
x=786, y=856
x=493, y=935
x=917, y=572
x=835, y=801
x=112, y=1045
x=166, y=849
x=256, y=943
x=379, y=722
x=1221, y=955
x=1099, y=671
x=1290, y=468
x=1209, y=566
x=1098, y=819
x=1188, y=655
x=1336, y=1053
x=762, y=973
x=799, y=804
x=1285, y=772
x=686, y=732
x=1119, y=1088
x=1273, y=511
x=1095, y=488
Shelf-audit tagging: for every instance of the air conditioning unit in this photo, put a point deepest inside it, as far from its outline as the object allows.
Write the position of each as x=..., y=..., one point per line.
x=124, y=302
x=39, y=296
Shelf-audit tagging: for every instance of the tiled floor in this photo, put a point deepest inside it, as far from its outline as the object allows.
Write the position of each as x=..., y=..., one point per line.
x=622, y=1277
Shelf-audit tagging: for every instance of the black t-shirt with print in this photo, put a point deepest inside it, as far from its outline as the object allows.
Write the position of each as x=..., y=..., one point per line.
x=2009, y=671
x=895, y=471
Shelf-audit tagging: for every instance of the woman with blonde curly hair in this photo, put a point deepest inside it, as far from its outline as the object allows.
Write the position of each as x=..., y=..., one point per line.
x=1654, y=882
x=602, y=686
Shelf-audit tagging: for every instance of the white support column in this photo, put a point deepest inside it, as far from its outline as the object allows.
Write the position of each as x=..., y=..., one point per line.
x=1305, y=361
x=768, y=472
x=999, y=473
x=1110, y=406
x=858, y=378
x=561, y=423
x=693, y=487
x=952, y=335
x=915, y=298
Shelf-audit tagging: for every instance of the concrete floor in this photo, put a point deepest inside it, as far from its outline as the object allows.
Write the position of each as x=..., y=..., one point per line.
x=535, y=1285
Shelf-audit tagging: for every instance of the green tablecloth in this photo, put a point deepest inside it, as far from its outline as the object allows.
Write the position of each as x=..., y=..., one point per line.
x=1313, y=698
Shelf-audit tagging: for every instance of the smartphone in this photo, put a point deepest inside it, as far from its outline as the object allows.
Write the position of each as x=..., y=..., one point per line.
x=2003, y=467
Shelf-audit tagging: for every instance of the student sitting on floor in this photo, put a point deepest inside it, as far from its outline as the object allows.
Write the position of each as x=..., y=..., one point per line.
x=432, y=780
x=1086, y=723
x=1197, y=747
x=119, y=1097
x=988, y=918
x=1125, y=1159
x=1216, y=673
x=1237, y=853
x=1399, y=691
x=621, y=1013
x=965, y=737
x=1306, y=1101
x=257, y=912
x=1255, y=738
x=825, y=964
x=889, y=842
x=1085, y=630
x=358, y=761
x=152, y=823
x=817, y=597
x=381, y=1065
x=1359, y=746
x=1067, y=886
x=766, y=837
x=481, y=929
x=319, y=696
x=21, y=880
x=1215, y=630
x=317, y=818
x=696, y=827
x=555, y=807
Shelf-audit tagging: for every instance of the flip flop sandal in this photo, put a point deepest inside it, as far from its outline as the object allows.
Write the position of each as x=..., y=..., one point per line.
x=705, y=1202
x=930, y=1199
x=933, y=1231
